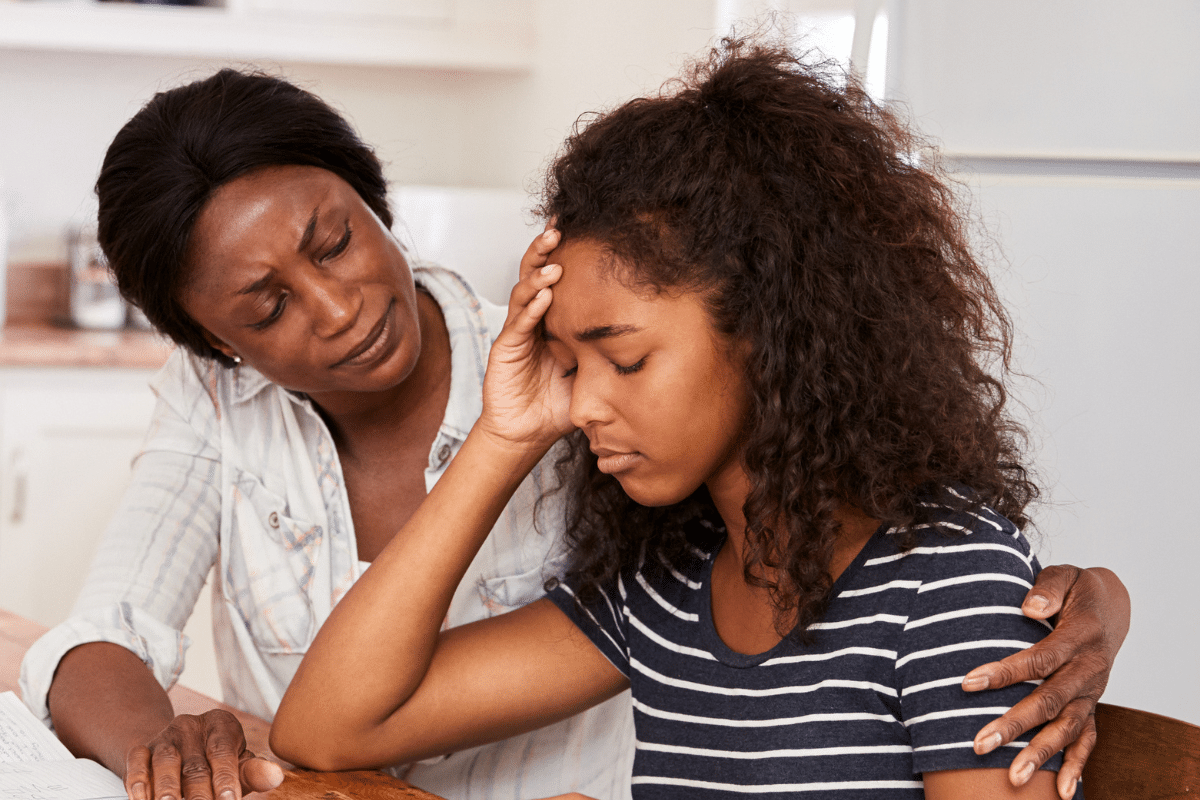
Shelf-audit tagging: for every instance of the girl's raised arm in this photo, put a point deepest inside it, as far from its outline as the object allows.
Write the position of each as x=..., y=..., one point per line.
x=381, y=684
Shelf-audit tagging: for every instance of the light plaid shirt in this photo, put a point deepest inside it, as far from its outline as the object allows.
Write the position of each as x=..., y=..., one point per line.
x=239, y=473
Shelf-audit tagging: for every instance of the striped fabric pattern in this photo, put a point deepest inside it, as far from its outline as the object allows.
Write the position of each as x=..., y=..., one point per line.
x=875, y=702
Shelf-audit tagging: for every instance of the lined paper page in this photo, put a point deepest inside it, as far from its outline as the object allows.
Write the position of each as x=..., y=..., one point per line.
x=23, y=737
x=77, y=779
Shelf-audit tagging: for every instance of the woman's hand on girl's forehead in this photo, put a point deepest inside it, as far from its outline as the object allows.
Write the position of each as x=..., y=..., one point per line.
x=526, y=395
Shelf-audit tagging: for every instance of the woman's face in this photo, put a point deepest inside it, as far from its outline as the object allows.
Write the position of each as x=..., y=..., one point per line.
x=293, y=273
x=660, y=394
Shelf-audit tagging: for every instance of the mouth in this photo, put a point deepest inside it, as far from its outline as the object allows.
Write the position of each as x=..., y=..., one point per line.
x=374, y=343
x=612, y=462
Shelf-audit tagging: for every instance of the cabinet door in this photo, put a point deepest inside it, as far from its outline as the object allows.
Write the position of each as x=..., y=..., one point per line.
x=67, y=440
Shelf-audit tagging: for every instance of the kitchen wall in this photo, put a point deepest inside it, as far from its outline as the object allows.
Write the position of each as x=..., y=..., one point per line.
x=59, y=110
x=1076, y=126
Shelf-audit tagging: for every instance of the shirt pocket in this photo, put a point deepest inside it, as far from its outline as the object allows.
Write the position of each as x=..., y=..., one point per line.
x=269, y=564
x=507, y=592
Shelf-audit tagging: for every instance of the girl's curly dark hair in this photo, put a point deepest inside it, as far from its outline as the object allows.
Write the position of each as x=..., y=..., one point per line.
x=826, y=239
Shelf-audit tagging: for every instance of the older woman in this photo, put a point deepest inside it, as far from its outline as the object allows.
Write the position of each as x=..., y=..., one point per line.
x=321, y=387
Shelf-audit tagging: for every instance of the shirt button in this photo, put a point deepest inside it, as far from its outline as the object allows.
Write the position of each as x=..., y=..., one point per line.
x=443, y=454
x=273, y=520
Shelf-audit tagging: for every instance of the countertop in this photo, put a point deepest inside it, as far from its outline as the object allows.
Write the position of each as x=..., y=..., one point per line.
x=49, y=345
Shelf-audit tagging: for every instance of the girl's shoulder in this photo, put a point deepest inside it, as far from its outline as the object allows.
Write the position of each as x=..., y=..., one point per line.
x=956, y=539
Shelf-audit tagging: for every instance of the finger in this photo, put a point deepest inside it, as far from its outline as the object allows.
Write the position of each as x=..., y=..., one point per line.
x=223, y=752
x=1060, y=732
x=524, y=323
x=1049, y=591
x=194, y=769
x=1041, y=705
x=541, y=247
x=1075, y=757
x=527, y=289
x=260, y=775
x=1033, y=663
x=165, y=765
x=137, y=773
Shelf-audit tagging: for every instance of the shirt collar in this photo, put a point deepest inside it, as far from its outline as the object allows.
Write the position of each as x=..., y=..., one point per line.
x=470, y=341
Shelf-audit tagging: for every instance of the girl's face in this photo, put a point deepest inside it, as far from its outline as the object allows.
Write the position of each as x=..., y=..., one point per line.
x=660, y=394
x=293, y=272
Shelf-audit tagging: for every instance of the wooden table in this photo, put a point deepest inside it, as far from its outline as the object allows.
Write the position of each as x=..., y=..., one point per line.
x=18, y=633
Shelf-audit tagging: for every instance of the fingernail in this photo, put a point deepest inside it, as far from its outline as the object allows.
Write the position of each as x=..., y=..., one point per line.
x=974, y=684
x=1024, y=773
x=987, y=744
x=1038, y=603
x=1071, y=791
x=228, y=795
x=139, y=791
x=549, y=268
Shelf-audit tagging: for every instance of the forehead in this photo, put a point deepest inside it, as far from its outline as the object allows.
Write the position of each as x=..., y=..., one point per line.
x=256, y=218
x=592, y=294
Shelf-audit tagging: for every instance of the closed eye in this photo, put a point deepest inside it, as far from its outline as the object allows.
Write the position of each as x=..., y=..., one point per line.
x=341, y=245
x=632, y=368
x=571, y=371
x=276, y=311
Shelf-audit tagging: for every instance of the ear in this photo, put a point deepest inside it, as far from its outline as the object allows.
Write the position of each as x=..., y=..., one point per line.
x=218, y=345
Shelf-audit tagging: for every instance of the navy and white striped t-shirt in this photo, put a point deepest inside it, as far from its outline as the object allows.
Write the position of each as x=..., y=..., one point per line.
x=875, y=702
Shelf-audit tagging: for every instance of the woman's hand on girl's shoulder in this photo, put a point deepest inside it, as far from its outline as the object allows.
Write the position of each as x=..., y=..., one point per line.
x=1092, y=609
x=526, y=393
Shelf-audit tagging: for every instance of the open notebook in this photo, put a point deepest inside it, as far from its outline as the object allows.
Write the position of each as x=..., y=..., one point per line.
x=34, y=764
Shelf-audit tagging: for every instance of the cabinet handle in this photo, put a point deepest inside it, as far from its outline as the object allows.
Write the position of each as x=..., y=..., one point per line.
x=20, y=486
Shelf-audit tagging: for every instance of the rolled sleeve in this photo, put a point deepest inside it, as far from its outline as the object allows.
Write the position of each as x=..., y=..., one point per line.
x=159, y=646
x=155, y=554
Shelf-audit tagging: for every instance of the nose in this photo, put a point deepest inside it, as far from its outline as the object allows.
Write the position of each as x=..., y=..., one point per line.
x=335, y=304
x=589, y=399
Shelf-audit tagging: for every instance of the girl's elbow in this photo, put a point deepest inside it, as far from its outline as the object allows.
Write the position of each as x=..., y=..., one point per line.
x=313, y=744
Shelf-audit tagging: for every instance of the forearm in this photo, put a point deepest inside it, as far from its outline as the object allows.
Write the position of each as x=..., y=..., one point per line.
x=373, y=651
x=104, y=700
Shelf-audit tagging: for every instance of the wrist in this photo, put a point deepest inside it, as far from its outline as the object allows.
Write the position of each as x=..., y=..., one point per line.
x=512, y=456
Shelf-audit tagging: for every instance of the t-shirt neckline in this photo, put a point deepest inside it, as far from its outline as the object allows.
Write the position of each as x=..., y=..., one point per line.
x=725, y=654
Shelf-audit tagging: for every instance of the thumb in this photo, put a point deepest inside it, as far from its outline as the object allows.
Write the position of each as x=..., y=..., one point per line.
x=260, y=775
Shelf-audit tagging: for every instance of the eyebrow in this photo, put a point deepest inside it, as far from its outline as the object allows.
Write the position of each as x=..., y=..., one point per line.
x=596, y=333
x=311, y=229
x=258, y=285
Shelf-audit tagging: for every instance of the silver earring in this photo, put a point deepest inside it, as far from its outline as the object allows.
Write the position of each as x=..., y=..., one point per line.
x=237, y=359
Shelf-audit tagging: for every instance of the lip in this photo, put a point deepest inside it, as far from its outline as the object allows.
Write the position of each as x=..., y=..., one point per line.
x=375, y=343
x=612, y=462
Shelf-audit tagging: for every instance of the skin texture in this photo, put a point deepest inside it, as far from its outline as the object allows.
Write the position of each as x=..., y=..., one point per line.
x=470, y=684
x=329, y=293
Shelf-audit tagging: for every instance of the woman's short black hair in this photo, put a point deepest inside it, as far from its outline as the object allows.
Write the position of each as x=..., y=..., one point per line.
x=187, y=142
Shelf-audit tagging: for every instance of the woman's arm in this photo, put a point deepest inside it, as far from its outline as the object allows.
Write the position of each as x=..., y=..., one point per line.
x=986, y=784
x=99, y=676
x=381, y=683
x=108, y=707
x=1093, y=617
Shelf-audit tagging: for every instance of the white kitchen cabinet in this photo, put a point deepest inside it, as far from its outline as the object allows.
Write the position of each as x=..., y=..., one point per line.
x=67, y=437
x=470, y=35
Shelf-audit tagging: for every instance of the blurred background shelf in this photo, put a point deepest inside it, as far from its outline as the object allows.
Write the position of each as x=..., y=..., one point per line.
x=430, y=34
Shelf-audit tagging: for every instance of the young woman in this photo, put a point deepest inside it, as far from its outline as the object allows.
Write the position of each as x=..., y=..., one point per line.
x=795, y=499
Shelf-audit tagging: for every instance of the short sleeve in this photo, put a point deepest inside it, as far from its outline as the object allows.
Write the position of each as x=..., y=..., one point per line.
x=965, y=611
x=603, y=620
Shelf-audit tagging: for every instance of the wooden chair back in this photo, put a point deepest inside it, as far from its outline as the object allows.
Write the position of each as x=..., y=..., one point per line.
x=1142, y=756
